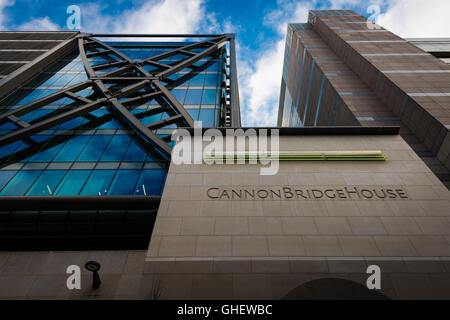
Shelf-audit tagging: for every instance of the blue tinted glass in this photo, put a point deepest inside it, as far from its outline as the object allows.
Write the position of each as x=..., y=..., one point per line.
x=20, y=183
x=213, y=67
x=5, y=176
x=124, y=182
x=197, y=81
x=31, y=96
x=193, y=113
x=8, y=125
x=63, y=80
x=94, y=148
x=207, y=116
x=78, y=79
x=149, y=119
x=179, y=94
x=72, y=148
x=72, y=183
x=193, y=96
x=211, y=80
x=72, y=124
x=217, y=121
x=152, y=181
x=135, y=152
x=111, y=124
x=116, y=148
x=50, y=80
x=47, y=155
x=7, y=150
x=34, y=115
x=209, y=96
x=98, y=183
x=46, y=184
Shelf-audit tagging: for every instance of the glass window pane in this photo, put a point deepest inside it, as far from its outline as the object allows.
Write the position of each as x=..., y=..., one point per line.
x=193, y=113
x=72, y=124
x=193, y=96
x=46, y=184
x=211, y=80
x=94, y=148
x=72, y=183
x=5, y=176
x=116, y=148
x=152, y=181
x=209, y=96
x=7, y=151
x=217, y=120
x=150, y=118
x=197, y=81
x=207, y=116
x=124, y=182
x=179, y=94
x=213, y=67
x=98, y=183
x=103, y=113
x=47, y=155
x=135, y=152
x=20, y=183
x=72, y=148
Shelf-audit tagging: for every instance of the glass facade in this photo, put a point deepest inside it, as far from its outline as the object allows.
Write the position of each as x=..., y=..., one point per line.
x=98, y=153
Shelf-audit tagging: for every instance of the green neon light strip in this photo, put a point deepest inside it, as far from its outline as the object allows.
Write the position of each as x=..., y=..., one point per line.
x=302, y=156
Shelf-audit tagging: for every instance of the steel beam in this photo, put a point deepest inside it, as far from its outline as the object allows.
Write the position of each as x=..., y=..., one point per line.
x=141, y=129
x=178, y=107
x=49, y=123
x=182, y=65
x=27, y=71
x=87, y=67
x=165, y=122
x=164, y=55
x=44, y=101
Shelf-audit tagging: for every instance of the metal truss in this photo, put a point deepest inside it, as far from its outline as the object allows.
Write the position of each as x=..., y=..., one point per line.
x=122, y=84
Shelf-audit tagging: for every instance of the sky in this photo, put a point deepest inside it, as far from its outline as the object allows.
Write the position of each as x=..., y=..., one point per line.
x=260, y=27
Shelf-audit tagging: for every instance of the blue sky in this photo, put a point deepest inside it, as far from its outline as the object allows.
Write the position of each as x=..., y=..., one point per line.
x=259, y=25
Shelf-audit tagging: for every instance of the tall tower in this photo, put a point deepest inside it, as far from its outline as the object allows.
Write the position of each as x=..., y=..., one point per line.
x=342, y=70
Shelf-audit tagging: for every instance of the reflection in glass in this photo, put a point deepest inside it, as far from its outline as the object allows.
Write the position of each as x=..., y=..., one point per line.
x=124, y=182
x=151, y=181
x=45, y=185
x=72, y=148
x=94, y=148
x=209, y=96
x=5, y=176
x=135, y=152
x=116, y=148
x=72, y=183
x=20, y=183
x=207, y=116
x=98, y=183
x=193, y=96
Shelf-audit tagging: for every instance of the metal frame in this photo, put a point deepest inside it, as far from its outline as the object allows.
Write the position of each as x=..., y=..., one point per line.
x=131, y=84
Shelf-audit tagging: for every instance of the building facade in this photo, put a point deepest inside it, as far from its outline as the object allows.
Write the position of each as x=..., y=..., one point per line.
x=84, y=119
x=88, y=169
x=341, y=70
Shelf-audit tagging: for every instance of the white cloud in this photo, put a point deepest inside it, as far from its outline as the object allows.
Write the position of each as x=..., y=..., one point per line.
x=35, y=24
x=3, y=17
x=153, y=17
x=417, y=18
x=260, y=79
x=168, y=16
x=39, y=24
